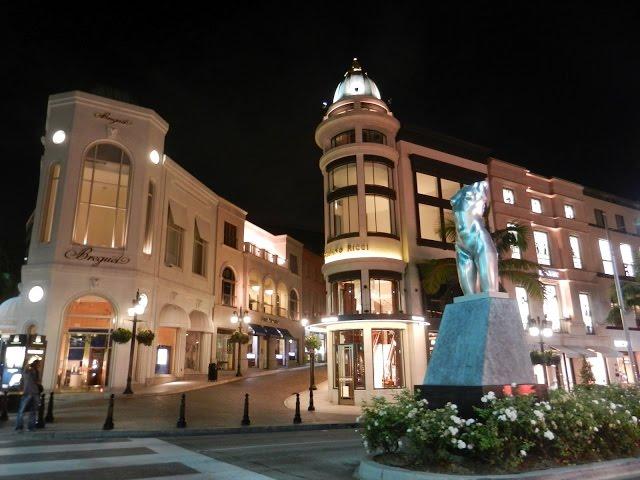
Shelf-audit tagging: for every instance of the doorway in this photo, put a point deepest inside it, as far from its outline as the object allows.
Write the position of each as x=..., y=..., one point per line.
x=346, y=378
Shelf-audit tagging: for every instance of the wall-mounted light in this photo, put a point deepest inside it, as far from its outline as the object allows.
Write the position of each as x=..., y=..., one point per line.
x=36, y=293
x=154, y=156
x=58, y=137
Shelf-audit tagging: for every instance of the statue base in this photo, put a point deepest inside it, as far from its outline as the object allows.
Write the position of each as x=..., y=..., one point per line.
x=481, y=347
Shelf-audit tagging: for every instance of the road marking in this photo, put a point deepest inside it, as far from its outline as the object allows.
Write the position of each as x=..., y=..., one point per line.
x=292, y=444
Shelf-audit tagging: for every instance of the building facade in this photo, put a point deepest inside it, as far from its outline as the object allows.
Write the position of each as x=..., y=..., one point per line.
x=387, y=191
x=115, y=216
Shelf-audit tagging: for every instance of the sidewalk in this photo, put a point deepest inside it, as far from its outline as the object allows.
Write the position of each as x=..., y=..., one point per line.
x=321, y=402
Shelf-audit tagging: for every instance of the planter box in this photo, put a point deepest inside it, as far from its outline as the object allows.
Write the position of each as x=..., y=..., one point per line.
x=610, y=470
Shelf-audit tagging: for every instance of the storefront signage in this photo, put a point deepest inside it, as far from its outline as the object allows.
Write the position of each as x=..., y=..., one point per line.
x=349, y=247
x=107, y=116
x=86, y=254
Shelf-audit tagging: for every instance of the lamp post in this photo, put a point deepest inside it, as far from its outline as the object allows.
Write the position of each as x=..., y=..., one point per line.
x=540, y=328
x=139, y=304
x=242, y=317
x=312, y=359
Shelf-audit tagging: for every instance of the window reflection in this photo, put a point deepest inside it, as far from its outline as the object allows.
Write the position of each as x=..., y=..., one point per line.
x=346, y=297
x=352, y=363
x=384, y=295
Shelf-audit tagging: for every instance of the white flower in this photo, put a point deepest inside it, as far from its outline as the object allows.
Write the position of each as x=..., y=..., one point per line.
x=502, y=418
x=595, y=401
x=366, y=444
x=491, y=395
x=375, y=423
x=547, y=406
x=454, y=441
x=409, y=430
x=514, y=384
x=484, y=399
x=457, y=420
x=453, y=430
x=533, y=422
x=470, y=446
x=634, y=419
x=453, y=406
x=357, y=419
x=511, y=413
x=595, y=429
x=549, y=434
x=400, y=443
x=523, y=453
x=424, y=401
x=612, y=406
x=461, y=445
x=470, y=421
x=538, y=414
x=536, y=430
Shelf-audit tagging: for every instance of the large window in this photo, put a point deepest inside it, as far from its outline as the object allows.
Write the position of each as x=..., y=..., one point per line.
x=356, y=363
x=605, y=254
x=230, y=235
x=381, y=216
x=599, y=216
x=346, y=297
x=551, y=306
x=523, y=306
x=627, y=259
x=344, y=138
x=342, y=176
x=173, y=249
x=387, y=358
x=569, y=212
x=508, y=196
x=384, y=295
x=199, y=253
x=147, y=247
x=515, y=250
x=104, y=195
x=585, y=308
x=574, y=244
x=293, y=305
x=541, y=239
x=430, y=222
x=377, y=173
x=343, y=216
x=49, y=207
x=373, y=136
x=536, y=205
x=620, y=223
x=427, y=185
x=433, y=206
x=228, y=287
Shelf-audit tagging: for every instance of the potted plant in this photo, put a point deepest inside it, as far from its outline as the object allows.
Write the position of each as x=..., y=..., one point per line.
x=239, y=337
x=121, y=335
x=145, y=337
x=547, y=358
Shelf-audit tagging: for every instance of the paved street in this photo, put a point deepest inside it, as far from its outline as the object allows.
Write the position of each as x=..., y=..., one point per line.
x=332, y=454
x=216, y=406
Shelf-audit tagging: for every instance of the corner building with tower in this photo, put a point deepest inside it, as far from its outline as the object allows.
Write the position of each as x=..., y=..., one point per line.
x=387, y=199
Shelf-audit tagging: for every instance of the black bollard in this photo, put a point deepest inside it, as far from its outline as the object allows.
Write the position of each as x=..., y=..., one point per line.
x=108, y=423
x=296, y=417
x=182, y=422
x=40, y=422
x=245, y=417
x=312, y=407
x=49, y=417
x=4, y=407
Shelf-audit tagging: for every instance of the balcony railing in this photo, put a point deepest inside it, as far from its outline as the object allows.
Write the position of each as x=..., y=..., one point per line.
x=265, y=254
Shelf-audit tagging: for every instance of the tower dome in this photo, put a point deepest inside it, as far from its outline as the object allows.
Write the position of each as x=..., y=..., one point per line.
x=356, y=82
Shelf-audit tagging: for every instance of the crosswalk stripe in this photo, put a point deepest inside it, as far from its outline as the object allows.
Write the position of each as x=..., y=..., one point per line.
x=63, y=447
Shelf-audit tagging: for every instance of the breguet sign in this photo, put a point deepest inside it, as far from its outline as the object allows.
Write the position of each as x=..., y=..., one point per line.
x=112, y=120
x=347, y=247
x=86, y=254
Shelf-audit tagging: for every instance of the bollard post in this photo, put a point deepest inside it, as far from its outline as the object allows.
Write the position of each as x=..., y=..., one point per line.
x=182, y=422
x=4, y=407
x=245, y=417
x=296, y=417
x=108, y=423
x=312, y=407
x=49, y=417
x=40, y=422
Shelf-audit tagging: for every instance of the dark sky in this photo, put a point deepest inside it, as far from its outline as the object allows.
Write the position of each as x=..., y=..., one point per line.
x=552, y=86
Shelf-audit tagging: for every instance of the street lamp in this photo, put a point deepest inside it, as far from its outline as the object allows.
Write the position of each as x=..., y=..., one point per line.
x=540, y=328
x=236, y=318
x=139, y=305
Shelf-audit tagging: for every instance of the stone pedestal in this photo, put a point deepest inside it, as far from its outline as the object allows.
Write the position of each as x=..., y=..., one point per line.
x=480, y=347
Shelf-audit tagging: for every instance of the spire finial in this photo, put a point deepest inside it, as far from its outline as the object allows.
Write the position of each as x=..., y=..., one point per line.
x=355, y=66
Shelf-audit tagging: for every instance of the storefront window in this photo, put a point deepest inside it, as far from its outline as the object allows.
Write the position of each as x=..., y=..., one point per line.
x=192, y=352
x=349, y=354
x=346, y=297
x=166, y=340
x=384, y=295
x=387, y=358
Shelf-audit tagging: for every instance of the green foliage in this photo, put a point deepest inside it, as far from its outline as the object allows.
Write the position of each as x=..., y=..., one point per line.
x=547, y=357
x=586, y=373
x=630, y=295
x=121, y=335
x=589, y=424
x=312, y=343
x=145, y=337
x=239, y=337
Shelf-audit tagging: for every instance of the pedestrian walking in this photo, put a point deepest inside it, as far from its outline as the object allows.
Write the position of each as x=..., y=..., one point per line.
x=31, y=389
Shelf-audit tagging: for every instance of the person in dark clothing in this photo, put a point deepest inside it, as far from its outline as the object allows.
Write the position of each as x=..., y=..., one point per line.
x=30, y=395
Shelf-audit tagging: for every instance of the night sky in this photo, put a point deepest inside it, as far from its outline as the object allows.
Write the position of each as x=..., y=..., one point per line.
x=553, y=87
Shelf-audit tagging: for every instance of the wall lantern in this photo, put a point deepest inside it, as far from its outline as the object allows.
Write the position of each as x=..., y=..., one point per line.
x=35, y=294
x=59, y=137
x=154, y=156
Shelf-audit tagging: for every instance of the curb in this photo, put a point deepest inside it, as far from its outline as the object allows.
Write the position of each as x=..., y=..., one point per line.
x=624, y=468
x=92, y=434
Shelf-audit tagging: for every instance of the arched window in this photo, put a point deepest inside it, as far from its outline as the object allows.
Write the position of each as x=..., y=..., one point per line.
x=228, y=287
x=50, y=204
x=104, y=194
x=293, y=305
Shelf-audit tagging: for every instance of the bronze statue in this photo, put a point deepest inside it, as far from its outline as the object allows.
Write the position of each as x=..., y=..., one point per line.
x=476, y=255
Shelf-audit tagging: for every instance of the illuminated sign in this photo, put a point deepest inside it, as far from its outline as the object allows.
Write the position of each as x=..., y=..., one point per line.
x=374, y=248
x=86, y=254
x=349, y=247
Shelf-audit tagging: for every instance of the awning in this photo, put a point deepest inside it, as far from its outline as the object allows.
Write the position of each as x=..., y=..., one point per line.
x=173, y=316
x=204, y=229
x=258, y=329
x=574, y=352
x=179, y=214
x=607, y=352
x=272, y=332
x=286, y=334
x=200, y=322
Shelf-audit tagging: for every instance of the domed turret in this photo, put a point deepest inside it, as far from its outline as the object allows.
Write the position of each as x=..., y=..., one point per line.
x=356, y=82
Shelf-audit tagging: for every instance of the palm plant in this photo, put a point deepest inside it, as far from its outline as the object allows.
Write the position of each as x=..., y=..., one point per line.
x=630, y=294
x=440, y=276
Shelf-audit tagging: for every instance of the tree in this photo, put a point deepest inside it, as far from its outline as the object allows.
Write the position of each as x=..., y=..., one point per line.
x=586, y=373
x=630, y=295
x=440, y=276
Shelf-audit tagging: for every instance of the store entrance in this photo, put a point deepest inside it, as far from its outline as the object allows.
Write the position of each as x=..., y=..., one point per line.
x=86, y=344
x=346, y=381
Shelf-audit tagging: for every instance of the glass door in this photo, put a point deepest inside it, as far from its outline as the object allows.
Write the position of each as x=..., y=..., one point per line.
x=346, y=381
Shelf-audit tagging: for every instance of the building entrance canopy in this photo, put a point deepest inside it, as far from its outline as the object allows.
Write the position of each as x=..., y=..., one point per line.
x=574, y=351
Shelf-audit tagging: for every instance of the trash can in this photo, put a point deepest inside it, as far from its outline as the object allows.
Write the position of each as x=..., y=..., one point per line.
x=213, y=372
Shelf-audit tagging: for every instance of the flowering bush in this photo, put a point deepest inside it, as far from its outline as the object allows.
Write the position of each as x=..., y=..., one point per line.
x=589, y=424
